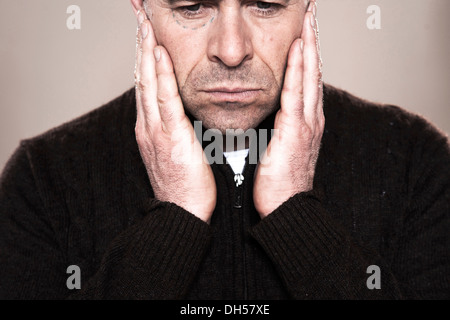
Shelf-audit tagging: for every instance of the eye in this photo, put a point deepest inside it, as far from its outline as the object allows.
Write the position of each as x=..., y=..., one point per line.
x=193, y=8
x=267, y=9
x=263, y=5
x=192, y=11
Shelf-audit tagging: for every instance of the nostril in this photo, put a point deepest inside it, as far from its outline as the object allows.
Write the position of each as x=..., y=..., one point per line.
x=233, y=52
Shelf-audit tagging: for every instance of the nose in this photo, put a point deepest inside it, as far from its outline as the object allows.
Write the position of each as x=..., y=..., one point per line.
x=229, y=40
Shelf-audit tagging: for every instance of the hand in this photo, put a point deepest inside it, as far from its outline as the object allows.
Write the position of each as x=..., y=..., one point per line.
x=174, y=159
x=288, y=165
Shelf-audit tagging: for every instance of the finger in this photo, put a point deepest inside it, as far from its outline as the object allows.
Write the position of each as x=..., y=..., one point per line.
x=146, y=75
x=319, y=54
x=169, y=100
x=292, y=94
x=312, y=77
x=137, y=67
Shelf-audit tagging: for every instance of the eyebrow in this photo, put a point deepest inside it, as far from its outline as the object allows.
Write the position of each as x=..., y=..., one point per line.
x=172, y=2
x=197, y=1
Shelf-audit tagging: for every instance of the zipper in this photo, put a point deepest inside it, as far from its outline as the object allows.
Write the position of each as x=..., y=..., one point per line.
x=239, y=180
x=238, y=204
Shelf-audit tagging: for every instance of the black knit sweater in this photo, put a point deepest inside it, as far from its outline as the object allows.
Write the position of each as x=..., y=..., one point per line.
x=80, y=195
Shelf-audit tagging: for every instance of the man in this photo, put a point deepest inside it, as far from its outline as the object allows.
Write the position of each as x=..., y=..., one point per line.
x=324, y=207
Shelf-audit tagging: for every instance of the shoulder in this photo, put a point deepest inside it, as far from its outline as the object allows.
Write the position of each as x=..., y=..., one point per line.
x=347, y=113
x=100, y=127
x=91, y=146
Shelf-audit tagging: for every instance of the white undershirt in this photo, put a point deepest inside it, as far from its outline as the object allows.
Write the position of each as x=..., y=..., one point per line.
x=236, y=159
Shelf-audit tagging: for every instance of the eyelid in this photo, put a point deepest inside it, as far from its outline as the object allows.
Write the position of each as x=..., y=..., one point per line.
x=264, y=1
x=204, y=5
x=201, y=12
x=271, y=11
x=189, y=3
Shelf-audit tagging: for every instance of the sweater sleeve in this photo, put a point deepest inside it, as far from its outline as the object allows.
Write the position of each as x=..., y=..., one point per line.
x=315, y=257
x=318, y=259
x=156, y=258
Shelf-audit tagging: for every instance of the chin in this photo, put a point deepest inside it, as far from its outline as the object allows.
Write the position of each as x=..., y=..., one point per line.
x=223, y=116
x=224, y=119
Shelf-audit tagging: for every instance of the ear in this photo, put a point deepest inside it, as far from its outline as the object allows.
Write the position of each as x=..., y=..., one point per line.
x=136, y=5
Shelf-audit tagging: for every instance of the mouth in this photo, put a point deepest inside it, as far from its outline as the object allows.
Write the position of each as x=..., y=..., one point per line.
x=224, y=94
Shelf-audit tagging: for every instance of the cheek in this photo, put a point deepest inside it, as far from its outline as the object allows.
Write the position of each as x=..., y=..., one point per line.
x=272, y=51
x=272, y=43
x=185, y=49
x=186, y=54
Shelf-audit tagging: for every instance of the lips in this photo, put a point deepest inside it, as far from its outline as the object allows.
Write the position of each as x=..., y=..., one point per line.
x=223, y=94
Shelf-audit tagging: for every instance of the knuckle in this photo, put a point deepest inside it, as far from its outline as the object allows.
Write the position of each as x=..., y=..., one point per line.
x=290, y=89
x=168, y=115
x=165, y=98
x=140, y=134
x=306, y=132
x=162, y=99
x=295, y=98
x=317, y=74
x=142, y=85
x=145, y=100
x=143, y=131
x=321, y=121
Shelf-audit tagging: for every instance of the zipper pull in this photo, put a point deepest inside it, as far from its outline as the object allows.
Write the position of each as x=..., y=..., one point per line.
x=239, y=179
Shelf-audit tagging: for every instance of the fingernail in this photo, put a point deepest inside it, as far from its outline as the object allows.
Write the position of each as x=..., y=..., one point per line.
x=301, y=44
x=144, y=30
x=314, y=9
x=141, y=17
x=313, y=22
x=157, y=54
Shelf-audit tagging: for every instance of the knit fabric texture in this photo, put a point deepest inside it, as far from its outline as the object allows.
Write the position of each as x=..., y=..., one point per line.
x=79, y=195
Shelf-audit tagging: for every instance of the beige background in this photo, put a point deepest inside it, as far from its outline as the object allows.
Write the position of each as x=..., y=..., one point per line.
x=50, y=74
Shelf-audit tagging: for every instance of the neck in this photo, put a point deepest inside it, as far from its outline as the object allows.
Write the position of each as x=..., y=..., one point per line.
x=236, y=142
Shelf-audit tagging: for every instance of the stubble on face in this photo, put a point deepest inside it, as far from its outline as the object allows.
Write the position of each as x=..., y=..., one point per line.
x=196, y=72
x=251, y=74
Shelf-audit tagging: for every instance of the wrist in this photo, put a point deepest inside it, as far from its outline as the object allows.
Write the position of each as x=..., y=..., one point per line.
x=201, y=212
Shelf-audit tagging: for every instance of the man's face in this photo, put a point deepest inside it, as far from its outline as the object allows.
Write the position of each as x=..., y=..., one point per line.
x=229, y=56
